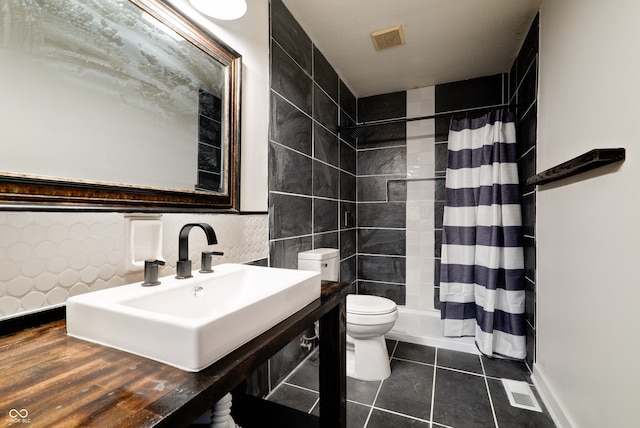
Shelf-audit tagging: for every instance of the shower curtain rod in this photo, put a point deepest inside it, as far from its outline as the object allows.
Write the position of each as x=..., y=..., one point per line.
x=411, y=119
x=417, y=179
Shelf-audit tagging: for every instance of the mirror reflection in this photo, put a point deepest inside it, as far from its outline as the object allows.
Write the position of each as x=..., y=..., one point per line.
x=101, y=91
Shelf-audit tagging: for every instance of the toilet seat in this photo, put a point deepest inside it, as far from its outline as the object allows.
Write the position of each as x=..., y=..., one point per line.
x=361, y=304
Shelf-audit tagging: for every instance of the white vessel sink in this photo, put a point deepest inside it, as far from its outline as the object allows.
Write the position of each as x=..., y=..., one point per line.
x=191, y=323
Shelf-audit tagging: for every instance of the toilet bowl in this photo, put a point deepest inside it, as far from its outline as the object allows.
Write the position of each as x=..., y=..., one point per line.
x=368, y=319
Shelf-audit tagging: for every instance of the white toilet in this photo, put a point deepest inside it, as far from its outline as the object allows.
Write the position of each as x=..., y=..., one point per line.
x=368, y=319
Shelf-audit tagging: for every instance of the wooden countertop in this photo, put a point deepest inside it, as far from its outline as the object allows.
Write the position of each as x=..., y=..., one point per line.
x=63, y=381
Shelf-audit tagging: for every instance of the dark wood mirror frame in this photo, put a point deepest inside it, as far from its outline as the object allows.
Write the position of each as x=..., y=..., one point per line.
x=18, y=191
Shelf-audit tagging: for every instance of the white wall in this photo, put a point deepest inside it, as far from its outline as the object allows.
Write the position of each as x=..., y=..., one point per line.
x=588, y=227
x=249, y=36
x=420, y=199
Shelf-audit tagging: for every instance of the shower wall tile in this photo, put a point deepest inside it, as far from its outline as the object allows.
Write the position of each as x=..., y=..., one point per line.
x=442, y=127
x=348, y=102
x=290, y=35
x=325, y=146
x=347, y=243
x=439, y=214
x=437, y=234
x=464, y=94
x=523, y=90
x=420, y=199
x=526, y=131
x=311, y=170
x=382, y=268
x=289, y=80
x=529, y=214
x=530, y=302
x=440, y=189
x=382, y=161
x=526, y=169
x=382, y=241
x=384, y=106
x=349, y=270
x=289, y=216
x=289, y=125
x=530, y=258
x=347, y=218
x=513, y=83
x=324, y=75
x=391, y=214
x=347, y=186
x=325, y=215
x=374, y=189
x=325, y=110
x=397, y=191
x=326, y=180
x=326, y=240
x=528, y=52
x=395, y=292
x=441, y=157
x=347, y=157
x=289, y=171
x=390, y=135
x=531, y=345
x=527, y=90
x=284, y=253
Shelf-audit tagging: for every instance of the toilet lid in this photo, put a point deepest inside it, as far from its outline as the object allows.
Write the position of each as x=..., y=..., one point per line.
x=365, y=304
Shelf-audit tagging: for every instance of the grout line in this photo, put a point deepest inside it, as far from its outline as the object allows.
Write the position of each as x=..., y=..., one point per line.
x=413, y=361
x=313, y=158
x=436, y=424
x=366, y=422
x=486, y=384
x=393, y=412
x=433, y=386
x=293, y=385
x=369, y=149
x=394, y=350
x=314, y=405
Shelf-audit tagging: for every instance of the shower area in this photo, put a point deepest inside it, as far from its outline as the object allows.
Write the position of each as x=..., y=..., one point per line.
x=401, y=167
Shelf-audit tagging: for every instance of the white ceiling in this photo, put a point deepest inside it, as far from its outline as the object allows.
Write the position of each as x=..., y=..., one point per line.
x=446, y=40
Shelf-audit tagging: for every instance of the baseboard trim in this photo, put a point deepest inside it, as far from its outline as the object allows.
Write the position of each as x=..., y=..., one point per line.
x=552, y=405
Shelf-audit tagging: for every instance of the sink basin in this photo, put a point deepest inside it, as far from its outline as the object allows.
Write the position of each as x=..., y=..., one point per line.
x=191, y=323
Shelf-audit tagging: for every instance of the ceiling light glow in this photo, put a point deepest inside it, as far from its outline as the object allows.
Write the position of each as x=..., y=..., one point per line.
x=221, y=9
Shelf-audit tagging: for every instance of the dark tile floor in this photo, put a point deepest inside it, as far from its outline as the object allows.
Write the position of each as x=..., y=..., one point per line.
x=428, y=387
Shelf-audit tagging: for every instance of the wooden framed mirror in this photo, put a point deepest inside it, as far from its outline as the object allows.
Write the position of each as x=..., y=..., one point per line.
x=120, y=105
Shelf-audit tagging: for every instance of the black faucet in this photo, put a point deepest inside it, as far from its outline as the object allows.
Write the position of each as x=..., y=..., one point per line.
x=183, y=267
x=151, y=272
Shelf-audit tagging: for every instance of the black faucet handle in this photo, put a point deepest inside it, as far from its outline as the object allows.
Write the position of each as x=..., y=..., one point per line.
x=151, y=272
x=207, y=258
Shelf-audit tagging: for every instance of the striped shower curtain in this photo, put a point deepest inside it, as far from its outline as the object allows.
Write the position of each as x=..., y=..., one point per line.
x=482, y=273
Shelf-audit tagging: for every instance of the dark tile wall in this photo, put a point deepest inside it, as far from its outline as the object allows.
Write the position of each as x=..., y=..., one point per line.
x=312, y=172
x=381, y=232
x=312, y=182
x=523, y=89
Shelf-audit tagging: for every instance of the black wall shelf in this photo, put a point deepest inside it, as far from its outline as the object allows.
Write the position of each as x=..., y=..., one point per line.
x=585, y=162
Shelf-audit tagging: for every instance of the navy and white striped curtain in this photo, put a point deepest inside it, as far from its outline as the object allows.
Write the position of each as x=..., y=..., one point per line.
x=482, y=274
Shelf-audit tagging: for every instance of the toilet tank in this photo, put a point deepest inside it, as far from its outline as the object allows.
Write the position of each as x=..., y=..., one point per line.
x=323, y=260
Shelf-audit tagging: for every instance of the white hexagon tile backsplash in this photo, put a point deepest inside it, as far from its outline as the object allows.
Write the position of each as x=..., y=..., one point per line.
x=46, y=257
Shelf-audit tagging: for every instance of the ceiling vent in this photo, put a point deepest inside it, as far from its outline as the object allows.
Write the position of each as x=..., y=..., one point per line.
x=388, y=37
